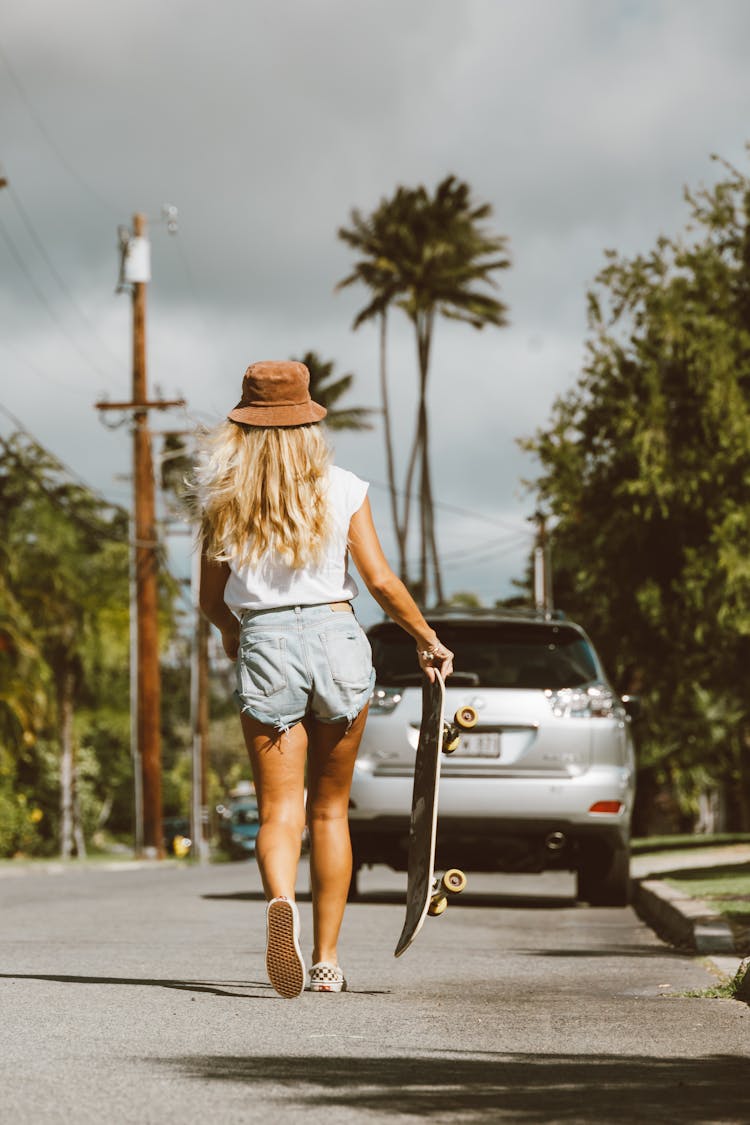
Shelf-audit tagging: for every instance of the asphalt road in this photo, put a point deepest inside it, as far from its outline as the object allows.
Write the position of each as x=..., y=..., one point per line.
x=140, y=996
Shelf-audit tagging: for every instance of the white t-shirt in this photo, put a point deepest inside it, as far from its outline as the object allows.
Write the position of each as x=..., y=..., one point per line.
x=272, y=583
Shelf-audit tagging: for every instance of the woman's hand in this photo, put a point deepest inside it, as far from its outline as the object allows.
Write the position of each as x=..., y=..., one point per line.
x=437, y=658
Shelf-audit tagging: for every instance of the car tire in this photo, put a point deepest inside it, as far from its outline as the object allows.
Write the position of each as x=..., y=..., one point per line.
x=603, y=877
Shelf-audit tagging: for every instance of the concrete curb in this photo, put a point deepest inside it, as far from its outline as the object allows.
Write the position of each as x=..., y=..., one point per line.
x=18, y=869
x=688, y=923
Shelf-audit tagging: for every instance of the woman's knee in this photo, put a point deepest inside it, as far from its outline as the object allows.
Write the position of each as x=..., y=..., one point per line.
x=321, y=813
x=282, y=813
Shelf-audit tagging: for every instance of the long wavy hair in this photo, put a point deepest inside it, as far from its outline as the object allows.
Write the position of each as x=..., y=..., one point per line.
x=263, y=490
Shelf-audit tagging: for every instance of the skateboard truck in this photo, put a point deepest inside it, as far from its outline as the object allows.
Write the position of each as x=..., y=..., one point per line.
x=451, y=883
x=464, y=719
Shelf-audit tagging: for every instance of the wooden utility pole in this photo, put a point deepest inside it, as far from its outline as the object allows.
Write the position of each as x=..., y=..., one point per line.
x=136, y=273
x=146, y=573
x=199, y=716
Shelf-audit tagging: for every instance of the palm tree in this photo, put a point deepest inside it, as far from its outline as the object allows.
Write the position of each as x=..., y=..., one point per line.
x=328, y=393
x=376, y=238
x=430, y=256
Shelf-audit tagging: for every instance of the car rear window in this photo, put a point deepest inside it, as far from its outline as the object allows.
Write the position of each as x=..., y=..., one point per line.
x=507, y=655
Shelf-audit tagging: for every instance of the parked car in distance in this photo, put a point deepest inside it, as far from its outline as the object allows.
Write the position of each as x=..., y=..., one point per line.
x=544, y=781
x=238, y=827
x=239, y=823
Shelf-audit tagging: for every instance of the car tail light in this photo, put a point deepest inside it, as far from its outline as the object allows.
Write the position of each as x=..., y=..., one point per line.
x=596, y=701
x=606, y=807
x=384, y=701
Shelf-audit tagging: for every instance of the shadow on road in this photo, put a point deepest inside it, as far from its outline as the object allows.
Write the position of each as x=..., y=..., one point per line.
x=398, y=898
x=214, y=989
x=524, y=1088
x=476, y=899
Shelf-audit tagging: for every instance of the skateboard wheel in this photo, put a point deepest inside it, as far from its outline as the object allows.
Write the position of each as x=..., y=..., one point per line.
x=451, y=740
x=454, y=881
x=438, y=906
x=466, y=717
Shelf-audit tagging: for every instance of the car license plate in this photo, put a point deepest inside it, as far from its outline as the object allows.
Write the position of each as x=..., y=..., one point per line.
x=478, y=746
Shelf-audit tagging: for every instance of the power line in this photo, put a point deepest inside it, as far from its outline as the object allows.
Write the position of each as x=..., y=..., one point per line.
x=97, y=532
x=73, y=172
x=45, y=375
x=38, y=243
x=41, y=296
x=459, y=511
x=483, y=551
x=75, y=477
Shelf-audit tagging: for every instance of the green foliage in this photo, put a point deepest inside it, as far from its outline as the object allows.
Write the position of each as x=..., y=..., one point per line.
x=329, y=390
x=63, y=643
x=645, y=467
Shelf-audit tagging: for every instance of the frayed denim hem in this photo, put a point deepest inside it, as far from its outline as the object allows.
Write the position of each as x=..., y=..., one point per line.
x=280, y=725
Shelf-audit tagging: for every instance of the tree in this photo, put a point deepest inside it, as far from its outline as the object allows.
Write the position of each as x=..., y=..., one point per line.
x=64, y=574
x=430, y=255
x=645, y=467
x=377, y=238
x=327, y=390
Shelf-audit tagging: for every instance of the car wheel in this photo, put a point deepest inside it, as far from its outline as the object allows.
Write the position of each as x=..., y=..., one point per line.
x=604, y=877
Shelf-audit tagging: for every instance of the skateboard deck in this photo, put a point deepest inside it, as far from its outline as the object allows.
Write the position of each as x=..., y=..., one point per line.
x=434, y=739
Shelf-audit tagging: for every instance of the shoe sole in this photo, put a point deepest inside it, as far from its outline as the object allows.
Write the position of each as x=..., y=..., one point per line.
x=286, y=969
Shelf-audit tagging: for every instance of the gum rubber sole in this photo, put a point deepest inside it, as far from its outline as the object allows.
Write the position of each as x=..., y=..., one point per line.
x=286, y=969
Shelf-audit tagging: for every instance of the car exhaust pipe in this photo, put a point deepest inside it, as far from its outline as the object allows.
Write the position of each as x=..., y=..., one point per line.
x=555, y=841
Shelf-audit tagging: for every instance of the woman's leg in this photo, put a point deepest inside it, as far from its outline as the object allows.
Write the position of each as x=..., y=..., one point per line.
x=278, y=761
x=333, y=750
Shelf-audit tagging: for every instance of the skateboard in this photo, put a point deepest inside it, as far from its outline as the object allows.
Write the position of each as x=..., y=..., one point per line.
x=425, y=893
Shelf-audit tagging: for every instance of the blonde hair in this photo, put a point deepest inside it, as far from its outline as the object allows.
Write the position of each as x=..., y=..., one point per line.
x=263, y=489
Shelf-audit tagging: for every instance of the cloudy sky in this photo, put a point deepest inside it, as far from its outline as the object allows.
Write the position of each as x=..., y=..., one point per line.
x=580, y=121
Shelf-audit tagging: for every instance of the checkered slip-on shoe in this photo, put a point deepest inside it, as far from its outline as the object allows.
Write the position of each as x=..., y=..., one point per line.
x=286, y=969
x=325, y=977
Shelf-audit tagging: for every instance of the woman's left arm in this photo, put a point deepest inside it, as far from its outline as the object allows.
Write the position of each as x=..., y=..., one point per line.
x=214, y=577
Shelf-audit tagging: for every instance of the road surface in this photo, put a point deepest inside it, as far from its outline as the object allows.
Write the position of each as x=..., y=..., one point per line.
x=140, y=996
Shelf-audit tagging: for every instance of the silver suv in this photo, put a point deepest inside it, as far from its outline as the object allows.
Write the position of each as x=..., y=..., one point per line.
x=544, y=781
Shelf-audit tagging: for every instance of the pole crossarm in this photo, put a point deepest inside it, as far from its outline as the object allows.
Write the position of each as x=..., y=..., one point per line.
x=153, y=404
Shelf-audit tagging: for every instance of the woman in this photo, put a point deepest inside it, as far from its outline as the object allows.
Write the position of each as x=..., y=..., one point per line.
x=279, y=524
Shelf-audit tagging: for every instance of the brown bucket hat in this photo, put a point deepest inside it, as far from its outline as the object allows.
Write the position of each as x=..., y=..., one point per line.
x=277, y=393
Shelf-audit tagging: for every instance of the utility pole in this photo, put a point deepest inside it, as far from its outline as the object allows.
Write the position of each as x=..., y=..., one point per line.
x=199, y=715
x=542, y=567
x=136, y=273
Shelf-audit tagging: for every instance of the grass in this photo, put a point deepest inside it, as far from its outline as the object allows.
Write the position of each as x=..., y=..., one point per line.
x=732, y=989
x=647, y=844
x=726, y=888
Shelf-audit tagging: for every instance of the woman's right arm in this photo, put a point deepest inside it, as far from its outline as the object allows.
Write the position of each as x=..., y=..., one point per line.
x=391, y=594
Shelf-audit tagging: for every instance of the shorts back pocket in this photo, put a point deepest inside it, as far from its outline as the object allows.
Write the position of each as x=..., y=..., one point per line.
x=349, y=656
x=261, y=665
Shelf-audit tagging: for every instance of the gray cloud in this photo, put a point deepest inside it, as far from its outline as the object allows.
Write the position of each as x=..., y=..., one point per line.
x=579, y=120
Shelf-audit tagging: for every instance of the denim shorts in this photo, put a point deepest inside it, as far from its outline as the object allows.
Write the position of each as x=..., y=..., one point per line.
x=303, y=660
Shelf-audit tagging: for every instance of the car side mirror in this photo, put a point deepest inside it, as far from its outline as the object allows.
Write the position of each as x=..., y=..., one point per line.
x=633, y=707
